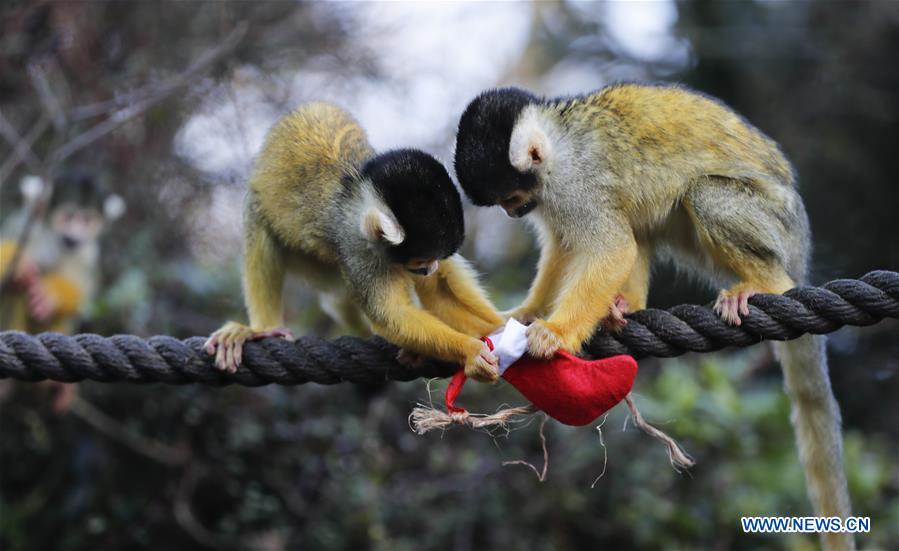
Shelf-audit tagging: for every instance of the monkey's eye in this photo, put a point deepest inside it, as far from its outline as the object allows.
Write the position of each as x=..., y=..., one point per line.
x=423, y=267
x=513, y=201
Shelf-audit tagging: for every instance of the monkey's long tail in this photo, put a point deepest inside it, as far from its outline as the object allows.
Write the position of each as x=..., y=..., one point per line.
x=816, y=421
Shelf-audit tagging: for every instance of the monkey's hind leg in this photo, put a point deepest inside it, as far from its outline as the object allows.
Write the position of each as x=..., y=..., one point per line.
x=340, y=306
x=633, y=295
x=742, y=232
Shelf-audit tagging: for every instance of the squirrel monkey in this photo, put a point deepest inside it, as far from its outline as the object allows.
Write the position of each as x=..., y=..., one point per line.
x=614, y=177
x=379, y=231
x=56, y=273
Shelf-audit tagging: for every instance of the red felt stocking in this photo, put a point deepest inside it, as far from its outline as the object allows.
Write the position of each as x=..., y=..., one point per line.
x=569, y=389
x=572, y=390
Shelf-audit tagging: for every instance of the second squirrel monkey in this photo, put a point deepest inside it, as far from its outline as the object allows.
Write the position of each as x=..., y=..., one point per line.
x=58, y=270
x=614, y=177
x=381, y=231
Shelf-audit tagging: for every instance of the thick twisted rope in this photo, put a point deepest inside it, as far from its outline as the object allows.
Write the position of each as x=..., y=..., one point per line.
x=662, y=333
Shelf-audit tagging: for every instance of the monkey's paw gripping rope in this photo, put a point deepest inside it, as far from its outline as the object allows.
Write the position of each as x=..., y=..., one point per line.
x=817, y=310
x=662, y=333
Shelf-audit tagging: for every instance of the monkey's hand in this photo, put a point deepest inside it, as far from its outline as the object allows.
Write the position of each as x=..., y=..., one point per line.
x=27, y=273
x=41, y=303
x=522, y=315
x=615, y=320
x=482, y=366
x=227, y=343
x=543, y=339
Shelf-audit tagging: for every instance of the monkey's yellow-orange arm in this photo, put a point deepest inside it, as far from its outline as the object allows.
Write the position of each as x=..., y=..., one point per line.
x=395, y=317
x=65, y=293
x=454, y=296
x=7, y=252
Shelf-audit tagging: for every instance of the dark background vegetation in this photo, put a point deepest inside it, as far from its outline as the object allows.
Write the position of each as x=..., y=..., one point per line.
x=337, y=467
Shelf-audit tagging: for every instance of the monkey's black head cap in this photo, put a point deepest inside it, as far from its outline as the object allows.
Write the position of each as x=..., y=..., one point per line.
x=80, y=186
x=482, y=146
x=418, y=190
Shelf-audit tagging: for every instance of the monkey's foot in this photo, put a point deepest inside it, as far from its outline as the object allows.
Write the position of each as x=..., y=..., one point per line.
x=732, y=303
x=227, y=343
x=483, y=366
x=615, y=320
x=543, y=341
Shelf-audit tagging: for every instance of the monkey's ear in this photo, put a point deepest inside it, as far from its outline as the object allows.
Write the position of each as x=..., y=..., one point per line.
x=113, y=207
x=529, y=146
x=377, y=225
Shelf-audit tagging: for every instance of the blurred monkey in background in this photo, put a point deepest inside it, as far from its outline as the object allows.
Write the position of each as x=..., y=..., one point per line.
x=55, y=275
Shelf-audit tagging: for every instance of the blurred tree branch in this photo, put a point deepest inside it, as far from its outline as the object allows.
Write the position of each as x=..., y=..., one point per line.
x=22, y=151
x=22, y=146
x=118, y=111
x=143, y=98
x=184, y=514
x=153, y=449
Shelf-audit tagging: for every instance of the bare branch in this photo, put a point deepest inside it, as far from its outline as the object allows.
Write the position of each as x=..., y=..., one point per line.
x=185, y=517
x=23, y=147
x=99, y=130
x=49, y=101
x=153, y=94
x=157, y=451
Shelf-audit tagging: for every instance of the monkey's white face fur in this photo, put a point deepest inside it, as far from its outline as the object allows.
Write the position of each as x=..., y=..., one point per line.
x=538, y=144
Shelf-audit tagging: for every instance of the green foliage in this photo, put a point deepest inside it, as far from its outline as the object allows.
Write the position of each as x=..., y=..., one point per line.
x=337, y=467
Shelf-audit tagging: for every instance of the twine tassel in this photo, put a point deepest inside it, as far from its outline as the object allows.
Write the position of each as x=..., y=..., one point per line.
x=678, y=457
x=425, y=418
